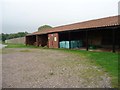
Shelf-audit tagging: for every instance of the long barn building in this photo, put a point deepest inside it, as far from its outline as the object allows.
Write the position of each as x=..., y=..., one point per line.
x=101, y=34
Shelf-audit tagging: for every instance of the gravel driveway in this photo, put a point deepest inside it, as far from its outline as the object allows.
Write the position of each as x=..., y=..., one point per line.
x=45, y=68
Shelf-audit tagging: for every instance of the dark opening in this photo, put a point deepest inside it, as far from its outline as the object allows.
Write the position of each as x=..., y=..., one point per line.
x=72, y=39
x=30, y=40
x=98, y=39
x=43, y=40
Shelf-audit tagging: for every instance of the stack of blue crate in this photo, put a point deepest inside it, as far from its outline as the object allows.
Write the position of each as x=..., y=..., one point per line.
x=64, y=44
x=73, y=43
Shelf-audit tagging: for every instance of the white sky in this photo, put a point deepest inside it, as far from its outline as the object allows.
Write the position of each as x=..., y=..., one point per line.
x=28, y=15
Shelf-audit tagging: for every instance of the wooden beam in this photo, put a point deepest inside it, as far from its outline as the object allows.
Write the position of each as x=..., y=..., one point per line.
x=87, y=40
x=26, y=40
x=69, y=39
x=37, y=40
x=113, y=41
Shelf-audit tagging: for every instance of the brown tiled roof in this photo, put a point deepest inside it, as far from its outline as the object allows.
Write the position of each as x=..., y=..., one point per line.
x=103, y=22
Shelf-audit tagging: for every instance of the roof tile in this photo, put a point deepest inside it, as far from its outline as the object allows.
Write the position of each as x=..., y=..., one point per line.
x=109, y=21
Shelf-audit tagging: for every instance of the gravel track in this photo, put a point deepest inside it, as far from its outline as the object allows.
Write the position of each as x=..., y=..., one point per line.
x=42, y=68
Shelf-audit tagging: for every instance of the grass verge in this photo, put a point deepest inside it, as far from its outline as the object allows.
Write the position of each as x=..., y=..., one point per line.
x=9, y=45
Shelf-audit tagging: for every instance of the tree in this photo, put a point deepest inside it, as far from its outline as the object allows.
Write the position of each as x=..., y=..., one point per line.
x=44, y=27
x=4, y=37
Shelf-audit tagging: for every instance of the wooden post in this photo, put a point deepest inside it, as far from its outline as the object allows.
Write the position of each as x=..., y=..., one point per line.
x=26, y=40
x=87, y=40
x=113, y=41
x=58, y=37
x=37, y=40
x=69, y=39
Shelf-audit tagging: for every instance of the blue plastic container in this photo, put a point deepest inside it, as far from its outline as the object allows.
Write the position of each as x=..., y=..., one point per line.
x=73, y=43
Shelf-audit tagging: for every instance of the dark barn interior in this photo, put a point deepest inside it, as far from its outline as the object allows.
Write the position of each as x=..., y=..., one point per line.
x=42, y=40
x=95, y=38
x=73, y=36
x=30, y=40
x=37, y=40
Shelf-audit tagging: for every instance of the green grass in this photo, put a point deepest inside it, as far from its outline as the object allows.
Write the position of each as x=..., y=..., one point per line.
x=107, y=61
x=9, y=45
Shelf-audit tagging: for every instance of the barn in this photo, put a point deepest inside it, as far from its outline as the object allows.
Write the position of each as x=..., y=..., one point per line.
x=98, y=34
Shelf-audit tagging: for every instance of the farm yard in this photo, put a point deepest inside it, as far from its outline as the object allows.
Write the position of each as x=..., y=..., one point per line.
x=32, y=67
x=60, y=44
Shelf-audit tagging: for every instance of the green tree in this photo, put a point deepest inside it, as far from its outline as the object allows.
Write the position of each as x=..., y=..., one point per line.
x=44, y=27
x=4, y=37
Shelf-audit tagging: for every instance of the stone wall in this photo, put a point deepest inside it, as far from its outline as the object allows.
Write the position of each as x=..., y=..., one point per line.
x=20, y=40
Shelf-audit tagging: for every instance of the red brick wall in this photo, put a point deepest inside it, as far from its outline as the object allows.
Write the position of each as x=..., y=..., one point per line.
x=53, y=40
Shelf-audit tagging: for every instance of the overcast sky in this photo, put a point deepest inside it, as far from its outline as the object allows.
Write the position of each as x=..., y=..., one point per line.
x=28, y=15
